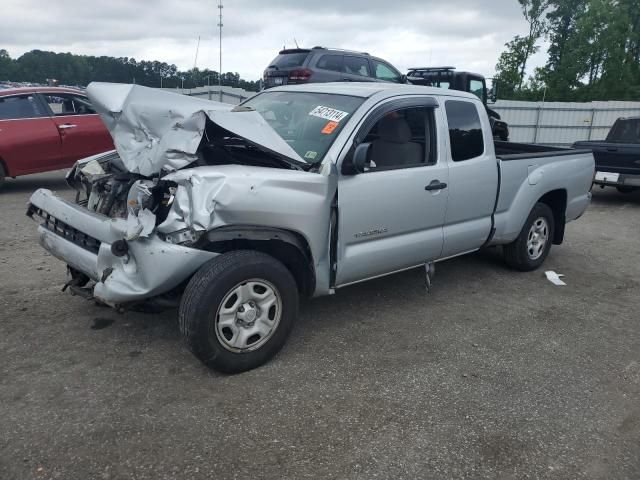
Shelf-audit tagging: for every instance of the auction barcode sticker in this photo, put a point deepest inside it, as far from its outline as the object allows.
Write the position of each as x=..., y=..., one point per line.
x=328, y=113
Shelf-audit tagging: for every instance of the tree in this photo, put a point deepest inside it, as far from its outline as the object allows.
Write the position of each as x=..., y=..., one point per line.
x=512, y=63
x=594, y=51
x=37, y=66
x=532, y=11
x=6, y=65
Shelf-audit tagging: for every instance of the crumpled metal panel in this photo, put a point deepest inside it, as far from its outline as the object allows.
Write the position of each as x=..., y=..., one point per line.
x=151, y=266
x=154, y=130
x=209, y=197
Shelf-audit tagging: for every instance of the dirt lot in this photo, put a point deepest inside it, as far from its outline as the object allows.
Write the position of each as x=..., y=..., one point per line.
x=495, y=374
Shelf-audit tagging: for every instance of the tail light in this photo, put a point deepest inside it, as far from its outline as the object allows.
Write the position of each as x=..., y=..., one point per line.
x=300, y=76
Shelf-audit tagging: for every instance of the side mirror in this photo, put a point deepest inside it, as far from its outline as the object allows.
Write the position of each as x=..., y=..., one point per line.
x=404, y=79
x=357, y=162
x=492, y=94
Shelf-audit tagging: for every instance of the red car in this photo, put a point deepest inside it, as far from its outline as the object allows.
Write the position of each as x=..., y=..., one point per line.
x=47, y=128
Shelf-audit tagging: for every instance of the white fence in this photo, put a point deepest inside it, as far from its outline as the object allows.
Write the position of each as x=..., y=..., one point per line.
x=229, y=94
x=561, y=123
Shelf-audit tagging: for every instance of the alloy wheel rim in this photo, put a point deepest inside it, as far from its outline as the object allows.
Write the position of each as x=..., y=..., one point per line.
x=537, y=238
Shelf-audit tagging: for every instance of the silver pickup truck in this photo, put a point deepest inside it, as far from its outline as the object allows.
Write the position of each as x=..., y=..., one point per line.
x=231, y=213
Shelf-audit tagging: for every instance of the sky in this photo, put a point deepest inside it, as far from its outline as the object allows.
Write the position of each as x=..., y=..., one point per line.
x=467, y=34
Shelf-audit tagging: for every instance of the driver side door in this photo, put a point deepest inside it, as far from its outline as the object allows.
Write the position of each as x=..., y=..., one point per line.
x=391, y=217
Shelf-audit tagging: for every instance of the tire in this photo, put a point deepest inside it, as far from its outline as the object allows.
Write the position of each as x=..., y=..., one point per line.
x=626, y=189
x=227, y=315
x=525, y=253
x=3, y=175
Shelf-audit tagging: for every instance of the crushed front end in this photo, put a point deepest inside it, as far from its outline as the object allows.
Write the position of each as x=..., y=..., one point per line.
x=108, y=237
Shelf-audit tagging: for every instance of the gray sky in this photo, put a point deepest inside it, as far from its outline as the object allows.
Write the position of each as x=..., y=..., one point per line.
x=468, y=34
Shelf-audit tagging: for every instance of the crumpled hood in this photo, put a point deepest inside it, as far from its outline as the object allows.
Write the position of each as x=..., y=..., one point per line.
x=153, y=129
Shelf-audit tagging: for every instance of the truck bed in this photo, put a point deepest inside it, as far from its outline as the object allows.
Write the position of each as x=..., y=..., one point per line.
x=566, y=171
x=622, y=158
x=506, y=151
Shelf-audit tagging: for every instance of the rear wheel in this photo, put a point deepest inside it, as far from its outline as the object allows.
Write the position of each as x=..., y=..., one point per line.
x=2, y=175
x=238, y=310
x=532, y=246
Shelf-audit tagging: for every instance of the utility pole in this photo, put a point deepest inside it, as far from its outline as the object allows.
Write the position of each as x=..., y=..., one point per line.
x=220, y=7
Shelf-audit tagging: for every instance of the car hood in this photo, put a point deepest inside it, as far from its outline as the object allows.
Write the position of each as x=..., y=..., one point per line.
x=155, y=130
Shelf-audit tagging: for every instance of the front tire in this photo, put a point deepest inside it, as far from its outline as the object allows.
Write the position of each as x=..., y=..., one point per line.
x=532, y=246
x=3, y=175
x=238, y=310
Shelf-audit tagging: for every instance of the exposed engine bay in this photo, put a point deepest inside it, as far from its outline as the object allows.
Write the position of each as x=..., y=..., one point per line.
x=105, y=186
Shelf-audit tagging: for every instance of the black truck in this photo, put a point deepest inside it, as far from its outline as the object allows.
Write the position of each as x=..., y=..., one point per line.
x=449, y=77
x=617, y=157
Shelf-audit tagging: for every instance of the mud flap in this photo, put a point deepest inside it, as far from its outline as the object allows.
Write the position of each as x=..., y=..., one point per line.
x=429, y=273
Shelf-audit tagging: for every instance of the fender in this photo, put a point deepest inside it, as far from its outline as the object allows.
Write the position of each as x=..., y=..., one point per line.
x=287, y=246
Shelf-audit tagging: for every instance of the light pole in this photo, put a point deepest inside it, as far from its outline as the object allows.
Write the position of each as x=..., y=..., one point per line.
x=220, y=7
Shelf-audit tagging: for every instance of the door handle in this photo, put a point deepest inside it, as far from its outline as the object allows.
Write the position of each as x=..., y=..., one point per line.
x=436, y=185
x=64, y=126
x=610, y=149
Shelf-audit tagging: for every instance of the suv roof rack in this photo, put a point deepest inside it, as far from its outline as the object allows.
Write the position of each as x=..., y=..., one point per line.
x=293, y=50
x=431, y=69
x=340, y=50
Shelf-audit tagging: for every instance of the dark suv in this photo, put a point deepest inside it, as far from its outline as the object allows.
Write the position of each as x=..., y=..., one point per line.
x=319, y=64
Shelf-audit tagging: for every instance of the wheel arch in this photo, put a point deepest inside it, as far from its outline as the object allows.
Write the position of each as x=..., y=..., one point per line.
x=290, y=248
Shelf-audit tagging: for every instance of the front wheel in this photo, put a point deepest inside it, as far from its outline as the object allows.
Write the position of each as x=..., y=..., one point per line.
x=238, y=310
x=532, y=246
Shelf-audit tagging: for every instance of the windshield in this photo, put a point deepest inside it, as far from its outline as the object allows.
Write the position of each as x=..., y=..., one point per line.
x=308, y=122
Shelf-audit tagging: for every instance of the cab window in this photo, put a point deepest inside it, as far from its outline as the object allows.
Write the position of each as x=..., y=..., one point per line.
x=402, y=138
x=465, y=130
x=68, y=104
x=20, y=107
x=331, y=62
x=477, y=88
x=356, y=66
x=383, y=71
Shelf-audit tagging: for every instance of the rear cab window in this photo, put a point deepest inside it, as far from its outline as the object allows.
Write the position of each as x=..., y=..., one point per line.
x=21, y=107
x=625, y=130
x=465, y=130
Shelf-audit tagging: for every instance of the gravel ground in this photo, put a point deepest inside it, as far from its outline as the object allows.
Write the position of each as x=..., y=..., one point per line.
x=495, y=374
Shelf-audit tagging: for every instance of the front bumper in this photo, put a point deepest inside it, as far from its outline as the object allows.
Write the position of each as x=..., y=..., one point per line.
x=83, y=240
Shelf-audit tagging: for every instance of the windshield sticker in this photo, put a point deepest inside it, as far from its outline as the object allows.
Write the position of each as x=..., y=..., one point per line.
x=329, y=128
x=328, y=113
x=311, y=155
